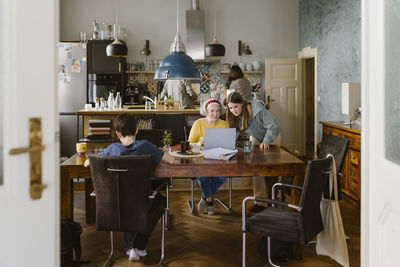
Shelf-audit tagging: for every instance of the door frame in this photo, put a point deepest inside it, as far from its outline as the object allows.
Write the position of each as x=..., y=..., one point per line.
x=306, y=53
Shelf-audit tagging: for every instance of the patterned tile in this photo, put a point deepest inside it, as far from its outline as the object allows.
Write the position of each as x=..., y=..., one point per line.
x=215, y=73
x=254, y=78
x=131, y=79
x=205, y=78
x=141, y=78
x=204, y=88
x=152, y=89
x=204, y=68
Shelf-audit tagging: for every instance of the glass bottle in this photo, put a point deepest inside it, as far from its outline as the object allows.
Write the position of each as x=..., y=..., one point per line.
x=102, y=103
x=110, y=101
x=117, y=101
x=97, y=104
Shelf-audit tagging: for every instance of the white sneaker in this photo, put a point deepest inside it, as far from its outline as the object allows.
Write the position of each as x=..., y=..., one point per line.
x=141, y=253
x=133, y=256
x=210, y=210
x=202, y=205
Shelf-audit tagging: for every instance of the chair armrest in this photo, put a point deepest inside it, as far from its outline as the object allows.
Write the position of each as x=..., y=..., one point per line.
x=159, y=187
x=284, y=185
x=276, y=202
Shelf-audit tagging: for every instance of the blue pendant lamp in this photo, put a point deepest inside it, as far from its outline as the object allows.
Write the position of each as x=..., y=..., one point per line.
x=177, y=65
x=117, y=48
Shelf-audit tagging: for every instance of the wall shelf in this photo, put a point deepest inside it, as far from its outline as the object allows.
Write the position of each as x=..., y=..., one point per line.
x=223, y=72
x=141, y=71
x=244, y=72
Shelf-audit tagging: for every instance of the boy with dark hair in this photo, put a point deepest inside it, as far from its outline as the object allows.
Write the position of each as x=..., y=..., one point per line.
x=125, y=129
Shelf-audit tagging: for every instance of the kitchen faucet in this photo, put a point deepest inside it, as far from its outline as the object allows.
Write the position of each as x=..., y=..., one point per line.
x=151, y=100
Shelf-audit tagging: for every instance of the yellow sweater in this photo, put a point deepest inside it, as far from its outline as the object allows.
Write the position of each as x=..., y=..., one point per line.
x=198, y=127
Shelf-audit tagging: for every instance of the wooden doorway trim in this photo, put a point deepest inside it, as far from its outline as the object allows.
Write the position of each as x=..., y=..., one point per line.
x=306, y=53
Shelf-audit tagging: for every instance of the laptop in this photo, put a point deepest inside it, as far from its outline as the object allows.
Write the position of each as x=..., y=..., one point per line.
x=220, y=138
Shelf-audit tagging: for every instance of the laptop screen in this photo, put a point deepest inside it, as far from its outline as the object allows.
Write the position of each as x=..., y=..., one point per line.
x=220, y=137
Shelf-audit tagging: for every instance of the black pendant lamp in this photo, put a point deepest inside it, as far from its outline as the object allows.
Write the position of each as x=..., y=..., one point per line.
x=215, y=49
x=117, y=48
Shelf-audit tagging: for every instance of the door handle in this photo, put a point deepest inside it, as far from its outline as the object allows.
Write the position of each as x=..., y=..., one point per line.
x=35, y=153
x=269, y=100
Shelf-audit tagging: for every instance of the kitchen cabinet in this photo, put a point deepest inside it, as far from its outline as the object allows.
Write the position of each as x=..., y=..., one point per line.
x=350, y=180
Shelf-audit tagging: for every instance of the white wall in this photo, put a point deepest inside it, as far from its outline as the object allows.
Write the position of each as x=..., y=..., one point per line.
x=270, y=27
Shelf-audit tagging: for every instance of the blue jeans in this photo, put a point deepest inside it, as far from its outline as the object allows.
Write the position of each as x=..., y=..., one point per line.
x=209, y=185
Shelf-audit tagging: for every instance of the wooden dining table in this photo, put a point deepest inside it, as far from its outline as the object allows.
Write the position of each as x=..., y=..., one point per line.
x=272, y=162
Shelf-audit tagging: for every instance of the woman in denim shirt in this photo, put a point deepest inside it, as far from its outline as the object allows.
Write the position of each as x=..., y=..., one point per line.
x=253, y=119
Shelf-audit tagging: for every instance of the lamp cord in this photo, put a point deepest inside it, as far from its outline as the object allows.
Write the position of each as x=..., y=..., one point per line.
x=215, y=23
x=116, y=13
x=177, y=16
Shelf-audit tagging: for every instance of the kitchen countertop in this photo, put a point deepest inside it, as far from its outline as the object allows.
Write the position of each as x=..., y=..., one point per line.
x=138, y=111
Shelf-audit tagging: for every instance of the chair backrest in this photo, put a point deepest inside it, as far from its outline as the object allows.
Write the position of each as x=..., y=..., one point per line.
x=337, y=146
x=310, y=221
x=154, y=136
x=122, y=186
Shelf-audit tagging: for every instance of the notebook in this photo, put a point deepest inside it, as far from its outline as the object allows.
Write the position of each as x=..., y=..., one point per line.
x=219, y=138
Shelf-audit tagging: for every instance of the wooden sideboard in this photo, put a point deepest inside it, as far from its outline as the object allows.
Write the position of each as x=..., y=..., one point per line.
x=351, y=171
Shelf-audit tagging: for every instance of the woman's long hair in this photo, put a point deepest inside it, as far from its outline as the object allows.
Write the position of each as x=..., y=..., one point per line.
x=234, y=74
x=244, y=117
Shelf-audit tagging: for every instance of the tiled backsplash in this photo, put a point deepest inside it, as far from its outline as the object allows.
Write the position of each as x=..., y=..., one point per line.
x=210, y=73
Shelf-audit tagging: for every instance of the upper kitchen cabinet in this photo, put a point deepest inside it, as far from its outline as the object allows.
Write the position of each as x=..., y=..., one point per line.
x=99, y=62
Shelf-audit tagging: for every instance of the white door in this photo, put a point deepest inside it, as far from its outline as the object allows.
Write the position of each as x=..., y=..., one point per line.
x=29, y=229
x=380, y=180
x=284, y=95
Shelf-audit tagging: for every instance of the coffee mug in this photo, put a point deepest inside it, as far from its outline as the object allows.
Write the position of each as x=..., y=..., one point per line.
x=184, y=146
x=81, y=148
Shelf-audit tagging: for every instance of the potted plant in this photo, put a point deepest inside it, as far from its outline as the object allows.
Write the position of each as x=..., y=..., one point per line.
x=167, y=140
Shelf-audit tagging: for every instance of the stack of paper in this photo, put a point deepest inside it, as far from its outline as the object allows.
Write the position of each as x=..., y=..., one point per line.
x=219, y=153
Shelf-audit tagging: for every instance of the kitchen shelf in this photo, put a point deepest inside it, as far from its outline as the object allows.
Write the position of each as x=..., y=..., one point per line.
x=245, y=72
x=141, y=71
x=223, y=72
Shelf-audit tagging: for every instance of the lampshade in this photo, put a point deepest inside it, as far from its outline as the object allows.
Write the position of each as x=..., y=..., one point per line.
x=215, y=49
x=117, y=49
x=177, y=65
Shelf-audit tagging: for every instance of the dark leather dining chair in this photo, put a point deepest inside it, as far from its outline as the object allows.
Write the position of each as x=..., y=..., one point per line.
x=124, y=196
x=337, y=146
x=298, y=224
x=155, y=136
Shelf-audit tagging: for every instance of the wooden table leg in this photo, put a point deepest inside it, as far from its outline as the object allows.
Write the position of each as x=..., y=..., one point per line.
x=66, y=211
x=90, y=202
